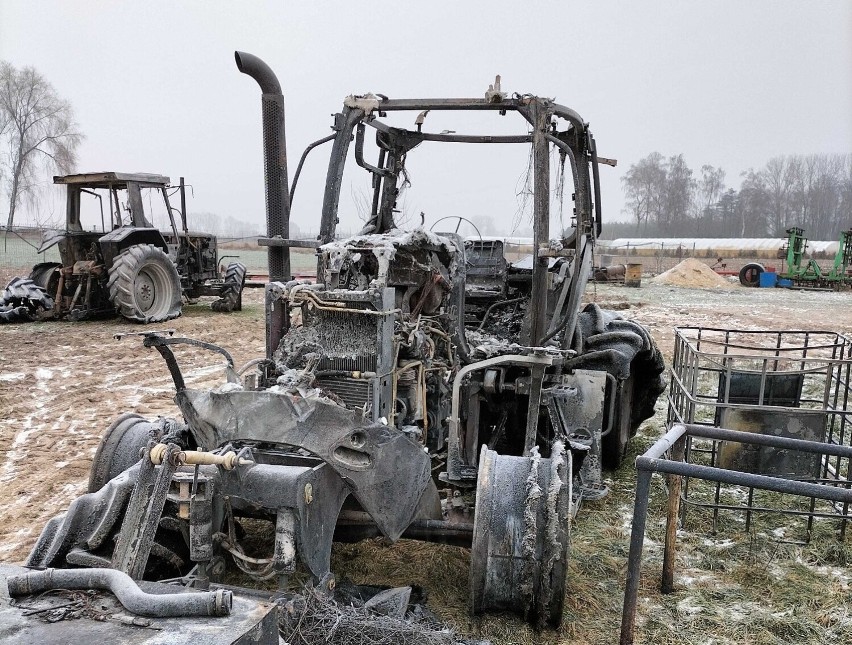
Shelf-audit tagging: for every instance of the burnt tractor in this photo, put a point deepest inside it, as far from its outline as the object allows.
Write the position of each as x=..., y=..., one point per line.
x=423, y=387
x=118, y=262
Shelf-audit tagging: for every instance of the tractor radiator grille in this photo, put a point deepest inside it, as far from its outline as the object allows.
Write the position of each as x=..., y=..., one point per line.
x=348, y=341
x=356, y=393
x=348, y=364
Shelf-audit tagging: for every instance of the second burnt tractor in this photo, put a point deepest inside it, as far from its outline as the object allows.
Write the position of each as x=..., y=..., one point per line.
x=113, y=260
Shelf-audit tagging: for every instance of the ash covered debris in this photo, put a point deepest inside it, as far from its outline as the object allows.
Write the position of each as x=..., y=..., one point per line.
x=366, y=615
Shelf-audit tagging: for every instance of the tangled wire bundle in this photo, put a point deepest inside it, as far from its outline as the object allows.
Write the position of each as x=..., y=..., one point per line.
x=315, y=618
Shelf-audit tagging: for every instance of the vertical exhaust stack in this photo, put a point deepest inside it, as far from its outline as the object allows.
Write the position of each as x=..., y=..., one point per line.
x=274, y=161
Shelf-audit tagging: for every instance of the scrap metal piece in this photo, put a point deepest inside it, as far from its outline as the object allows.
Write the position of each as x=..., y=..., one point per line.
x=576, y=410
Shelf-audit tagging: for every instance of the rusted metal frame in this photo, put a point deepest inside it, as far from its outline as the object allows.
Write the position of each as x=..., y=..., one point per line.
x=596, y=178
x=395, y=105
x=161, y=345
x=518, y=104
x=439, y=531
x=137, y=209
x=457, y=468
x=182, y=189
x=451, y=138
x=540, y=117
x=749, y=332
x=377, y=185
x=397, y=148
x=582, y=247
x=101, y=200
x=349, y=117
x=359, y=154
x=165, y=194
x=299, y=244
x=653, y=461
x=533, y=409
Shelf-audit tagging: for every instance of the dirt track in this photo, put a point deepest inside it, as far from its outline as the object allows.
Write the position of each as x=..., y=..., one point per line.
x=62, y=383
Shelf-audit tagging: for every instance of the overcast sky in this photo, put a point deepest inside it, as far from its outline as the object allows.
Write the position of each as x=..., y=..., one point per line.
x=155, y=88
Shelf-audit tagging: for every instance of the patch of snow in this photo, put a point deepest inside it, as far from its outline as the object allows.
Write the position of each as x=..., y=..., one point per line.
x=43, y=374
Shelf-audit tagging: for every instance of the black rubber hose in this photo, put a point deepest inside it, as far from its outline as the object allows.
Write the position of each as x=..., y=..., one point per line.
x=207, y=603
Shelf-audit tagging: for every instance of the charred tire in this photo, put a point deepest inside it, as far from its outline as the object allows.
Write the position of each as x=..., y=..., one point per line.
x=46, y=275
x=750, y=274
x=144, y=285
x=23, y=300
x=521, y=534
x=614, y=444
x=120, y=448
x=623, y=348
x=231, y=298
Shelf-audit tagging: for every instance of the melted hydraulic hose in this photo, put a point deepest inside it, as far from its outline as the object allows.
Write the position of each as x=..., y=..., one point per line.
x=208, y=603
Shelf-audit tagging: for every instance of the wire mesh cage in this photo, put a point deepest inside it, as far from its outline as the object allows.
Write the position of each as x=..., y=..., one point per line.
x=793, y=384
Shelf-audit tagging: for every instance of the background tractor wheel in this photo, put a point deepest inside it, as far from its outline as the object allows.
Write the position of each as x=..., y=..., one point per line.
x=144, y=284
x=231, y=298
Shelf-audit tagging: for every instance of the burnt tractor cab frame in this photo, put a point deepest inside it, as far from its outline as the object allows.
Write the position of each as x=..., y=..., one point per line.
x=389, y=402
x=127, y=265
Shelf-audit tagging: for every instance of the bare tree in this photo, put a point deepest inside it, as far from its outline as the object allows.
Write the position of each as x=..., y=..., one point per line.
x=678, y=195
x=644, y=187
x=38, y=132
x=712, y=185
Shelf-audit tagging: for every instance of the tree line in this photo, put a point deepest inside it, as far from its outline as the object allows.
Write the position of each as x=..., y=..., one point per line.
x=665, y=198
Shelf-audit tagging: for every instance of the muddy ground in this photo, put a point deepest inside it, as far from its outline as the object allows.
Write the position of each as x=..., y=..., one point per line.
x=62, y=383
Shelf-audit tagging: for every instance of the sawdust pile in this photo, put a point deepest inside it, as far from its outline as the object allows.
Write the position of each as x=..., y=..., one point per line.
x=693, y=273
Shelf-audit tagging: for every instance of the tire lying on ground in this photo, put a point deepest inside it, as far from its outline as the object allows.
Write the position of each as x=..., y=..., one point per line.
x=232, y=290
x=750, y=274
x=22, y=300
x=144, y=285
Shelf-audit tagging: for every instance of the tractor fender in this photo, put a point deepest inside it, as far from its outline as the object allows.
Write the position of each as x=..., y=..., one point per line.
x=116, y=241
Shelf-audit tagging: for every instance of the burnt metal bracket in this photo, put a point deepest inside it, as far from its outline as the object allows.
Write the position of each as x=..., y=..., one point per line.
x=143, y=513
x=161, y=343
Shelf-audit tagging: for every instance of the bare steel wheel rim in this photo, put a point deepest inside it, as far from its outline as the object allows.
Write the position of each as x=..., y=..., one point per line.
x=145, y=290
x=150, y=287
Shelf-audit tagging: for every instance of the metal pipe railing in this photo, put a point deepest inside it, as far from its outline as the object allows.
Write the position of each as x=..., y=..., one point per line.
x=674, y=442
